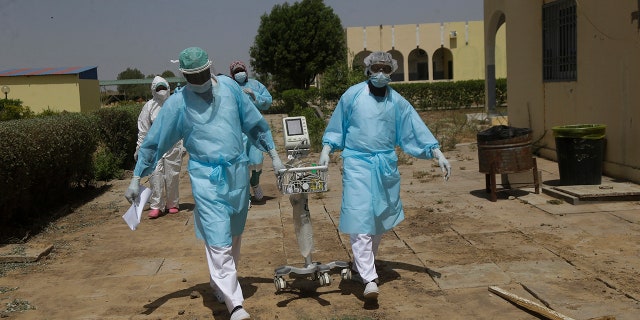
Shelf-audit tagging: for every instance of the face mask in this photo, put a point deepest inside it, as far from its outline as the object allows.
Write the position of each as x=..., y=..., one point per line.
x=240, y=77
x=162, y=95
x=200, y=88
x=379, y=80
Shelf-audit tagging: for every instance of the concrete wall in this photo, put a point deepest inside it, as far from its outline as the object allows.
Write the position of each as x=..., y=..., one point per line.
x=55, y=92
x=464, y=52
x=608, y=77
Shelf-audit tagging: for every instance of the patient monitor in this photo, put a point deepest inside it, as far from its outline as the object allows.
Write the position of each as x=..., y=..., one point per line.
x=296, y=136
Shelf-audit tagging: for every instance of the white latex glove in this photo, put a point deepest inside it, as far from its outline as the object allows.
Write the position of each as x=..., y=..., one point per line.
x=442, y=162
x=276, y=162
x=250, y=92
x=324, y=155
x=133, y=191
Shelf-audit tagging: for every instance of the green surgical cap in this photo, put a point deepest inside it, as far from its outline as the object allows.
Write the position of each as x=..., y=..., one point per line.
x=193, y=60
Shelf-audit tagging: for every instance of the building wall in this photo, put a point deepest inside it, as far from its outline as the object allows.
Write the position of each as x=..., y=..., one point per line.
x=465, y=49
x=55, y=92
x=605, y=92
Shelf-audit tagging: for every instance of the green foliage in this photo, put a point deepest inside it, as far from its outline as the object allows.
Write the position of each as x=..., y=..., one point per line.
x=296, y=101
x=107, y=165
x=296, y=42
x=41, y=160
x=118, y=132
x=133, y=91
x=12, y=109
x=338, y=78
x=167, y=74
x=448, y=94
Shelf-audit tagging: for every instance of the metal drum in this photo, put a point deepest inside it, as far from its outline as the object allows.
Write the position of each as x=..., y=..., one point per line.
x=504, y=149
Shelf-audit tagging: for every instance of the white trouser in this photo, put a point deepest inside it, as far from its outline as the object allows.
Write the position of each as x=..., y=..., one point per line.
x=365, y=248
x=165, y=180
x=223, y=275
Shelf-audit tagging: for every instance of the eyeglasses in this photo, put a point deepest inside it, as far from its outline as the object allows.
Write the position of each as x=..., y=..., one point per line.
x=158, y=88
x=384, y=68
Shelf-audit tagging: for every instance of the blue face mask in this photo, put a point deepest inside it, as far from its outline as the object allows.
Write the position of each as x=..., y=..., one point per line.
x=200, y=88
x=240, y=77
x=380, y=79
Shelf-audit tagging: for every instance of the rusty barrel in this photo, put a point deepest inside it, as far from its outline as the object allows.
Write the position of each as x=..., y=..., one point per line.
x=504, y=149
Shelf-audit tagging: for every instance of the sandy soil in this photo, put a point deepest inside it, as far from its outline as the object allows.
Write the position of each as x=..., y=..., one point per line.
x=437, y=264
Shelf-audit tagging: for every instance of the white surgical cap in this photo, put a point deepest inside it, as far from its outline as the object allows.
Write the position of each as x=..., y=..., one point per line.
x=380, y=57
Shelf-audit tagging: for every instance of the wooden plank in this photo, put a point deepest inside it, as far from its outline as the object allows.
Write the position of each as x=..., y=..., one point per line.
x=529, y=305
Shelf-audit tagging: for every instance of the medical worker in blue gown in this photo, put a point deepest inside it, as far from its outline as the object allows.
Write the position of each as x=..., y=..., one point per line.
x=210, y=114
x=370, y=120
x=261, y=99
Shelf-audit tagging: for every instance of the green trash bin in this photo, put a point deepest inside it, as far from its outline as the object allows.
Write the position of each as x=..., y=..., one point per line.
x=580, y=151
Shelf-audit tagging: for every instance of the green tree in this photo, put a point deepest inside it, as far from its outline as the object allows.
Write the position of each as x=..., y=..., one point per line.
x=167, y=74
x=296, y=42
x=338, y=78
x=132, y=91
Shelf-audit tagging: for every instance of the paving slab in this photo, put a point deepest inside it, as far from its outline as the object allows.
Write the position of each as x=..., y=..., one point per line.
x=471, y=276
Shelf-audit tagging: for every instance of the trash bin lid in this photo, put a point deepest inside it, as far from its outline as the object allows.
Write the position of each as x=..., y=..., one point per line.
x=582, y=131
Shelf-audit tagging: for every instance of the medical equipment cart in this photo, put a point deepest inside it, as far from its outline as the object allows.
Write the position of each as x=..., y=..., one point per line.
x=298, y=180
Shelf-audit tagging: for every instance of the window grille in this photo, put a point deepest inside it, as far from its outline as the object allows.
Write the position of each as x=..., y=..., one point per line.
x=559, y=41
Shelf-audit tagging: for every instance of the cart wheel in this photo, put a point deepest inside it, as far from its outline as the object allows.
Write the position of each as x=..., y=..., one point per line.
x=346, y=274
x=324, y=279
x=280, y=283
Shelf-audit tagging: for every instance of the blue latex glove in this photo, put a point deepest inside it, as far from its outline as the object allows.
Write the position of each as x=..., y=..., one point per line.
x=442, y=162
x=133, y=192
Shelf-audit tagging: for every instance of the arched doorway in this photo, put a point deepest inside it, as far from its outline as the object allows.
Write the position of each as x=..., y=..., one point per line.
x=399, y=74
x=418, y=65
x=442, y=64
x=358, y=60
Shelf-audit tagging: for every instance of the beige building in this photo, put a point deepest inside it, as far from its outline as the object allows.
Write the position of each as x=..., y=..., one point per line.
x=74, y=89
x=429, y=51
x=572, y=62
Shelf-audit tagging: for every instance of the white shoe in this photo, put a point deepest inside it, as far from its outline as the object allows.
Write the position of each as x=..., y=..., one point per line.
x=371, y=291
x=240, y=314
x=257, y=193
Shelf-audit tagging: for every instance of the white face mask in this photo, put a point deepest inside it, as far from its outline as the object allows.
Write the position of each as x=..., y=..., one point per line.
x=200, y=88
x=162, y=95
x=240, y=77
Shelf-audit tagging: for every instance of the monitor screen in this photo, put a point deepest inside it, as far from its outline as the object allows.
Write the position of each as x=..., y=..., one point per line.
x=294, y=127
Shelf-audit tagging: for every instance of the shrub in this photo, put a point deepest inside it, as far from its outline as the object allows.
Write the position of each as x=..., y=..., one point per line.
x=118, y=132
x=42, y=159
x=12, y=109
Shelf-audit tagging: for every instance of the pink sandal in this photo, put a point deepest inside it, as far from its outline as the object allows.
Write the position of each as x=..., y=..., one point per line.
x=154, y=213
x=174, y=210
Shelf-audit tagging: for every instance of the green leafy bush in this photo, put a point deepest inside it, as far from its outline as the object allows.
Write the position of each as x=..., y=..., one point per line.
x=107, y=165
x=12, y=109
x=118, y=132
x=41, y=160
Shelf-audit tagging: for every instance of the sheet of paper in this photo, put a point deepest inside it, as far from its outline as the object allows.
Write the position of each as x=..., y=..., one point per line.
x=133, y=215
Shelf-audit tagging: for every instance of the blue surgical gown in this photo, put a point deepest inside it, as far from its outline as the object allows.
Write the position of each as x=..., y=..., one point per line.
x=212, y=135
x=262, y=102
x=367, y=129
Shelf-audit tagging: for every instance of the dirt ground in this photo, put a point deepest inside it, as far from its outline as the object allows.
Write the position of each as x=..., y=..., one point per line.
x=580, y=260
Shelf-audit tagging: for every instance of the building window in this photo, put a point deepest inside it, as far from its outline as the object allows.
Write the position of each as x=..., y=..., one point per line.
x=559, y=41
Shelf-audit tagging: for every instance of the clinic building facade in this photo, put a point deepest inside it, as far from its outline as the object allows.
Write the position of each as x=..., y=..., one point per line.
x=73, y=89
x=426, y=52
x=573, y=62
